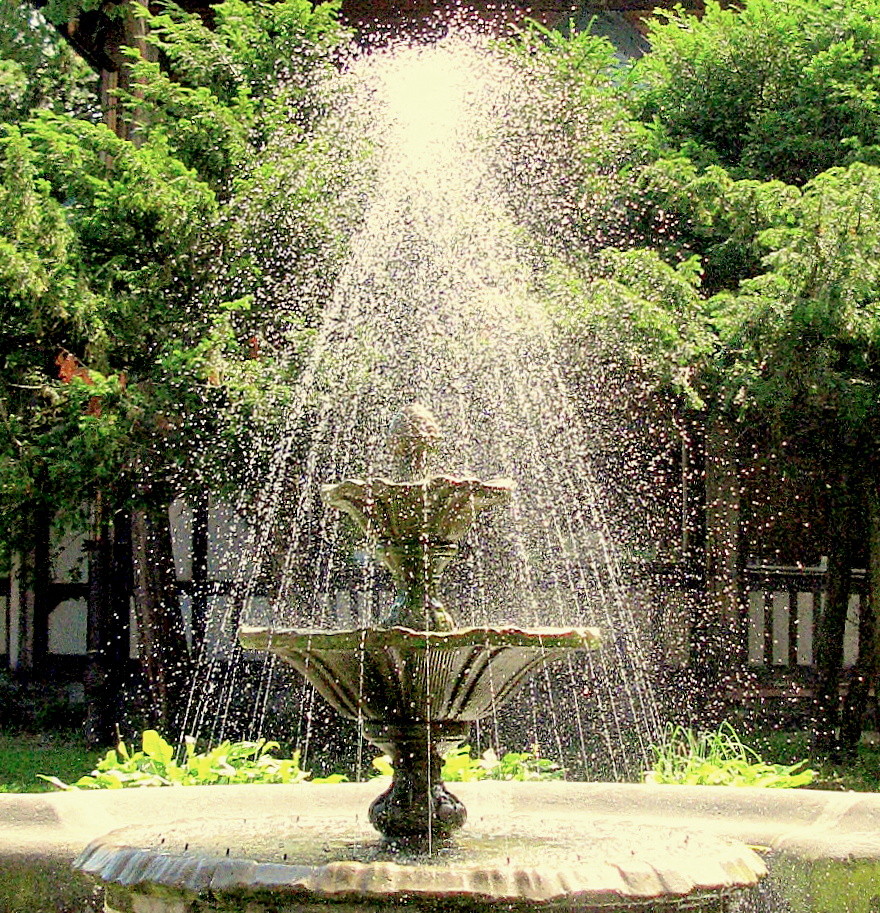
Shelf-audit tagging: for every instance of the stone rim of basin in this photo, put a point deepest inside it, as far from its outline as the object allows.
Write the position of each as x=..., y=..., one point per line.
x=609, y=869
x=256, y=637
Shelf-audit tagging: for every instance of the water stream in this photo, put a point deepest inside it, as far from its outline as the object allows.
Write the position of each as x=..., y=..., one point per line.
x=439, y=301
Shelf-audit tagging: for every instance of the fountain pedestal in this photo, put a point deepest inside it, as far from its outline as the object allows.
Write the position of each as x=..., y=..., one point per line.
x=417, y=793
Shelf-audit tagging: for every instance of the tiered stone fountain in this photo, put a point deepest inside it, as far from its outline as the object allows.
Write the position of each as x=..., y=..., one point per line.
x=416, y=682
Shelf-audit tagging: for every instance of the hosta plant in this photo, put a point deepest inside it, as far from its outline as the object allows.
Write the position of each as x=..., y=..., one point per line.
x=460, y=766
x=158, y=764
x=719, y=758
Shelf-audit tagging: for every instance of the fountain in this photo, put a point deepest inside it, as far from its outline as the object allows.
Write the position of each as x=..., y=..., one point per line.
x=434, y=299
x=437, y=300
x=416, y=682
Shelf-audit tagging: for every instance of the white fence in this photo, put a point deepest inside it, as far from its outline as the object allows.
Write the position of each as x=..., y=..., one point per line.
x=783, y=606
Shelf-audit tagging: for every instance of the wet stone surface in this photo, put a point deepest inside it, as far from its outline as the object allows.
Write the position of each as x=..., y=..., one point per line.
x=281, y=864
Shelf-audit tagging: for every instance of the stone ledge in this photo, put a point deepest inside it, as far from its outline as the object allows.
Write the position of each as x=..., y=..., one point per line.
x=801, y=822
x=42, y=834
x=600, y=864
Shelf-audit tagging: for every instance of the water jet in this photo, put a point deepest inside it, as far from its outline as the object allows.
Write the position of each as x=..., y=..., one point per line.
x=435, y=299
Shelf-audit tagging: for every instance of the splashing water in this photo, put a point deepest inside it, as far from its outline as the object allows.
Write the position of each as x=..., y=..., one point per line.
x=438, y=301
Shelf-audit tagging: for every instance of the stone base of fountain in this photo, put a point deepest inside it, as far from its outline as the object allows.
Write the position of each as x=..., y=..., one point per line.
x=297, y=863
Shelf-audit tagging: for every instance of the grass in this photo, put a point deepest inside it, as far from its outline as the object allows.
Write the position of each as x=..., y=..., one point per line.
x=23, y=755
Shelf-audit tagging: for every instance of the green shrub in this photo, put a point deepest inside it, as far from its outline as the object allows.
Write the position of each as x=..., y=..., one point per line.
x=156, y=765
x=718, y=759
x=459, y=766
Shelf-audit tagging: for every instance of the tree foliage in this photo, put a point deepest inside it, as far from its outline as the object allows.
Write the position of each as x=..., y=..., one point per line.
x=92, y=227
x=222, y=94
x=721, y=240
x=127, y=339
x=746, y=279
x=38, y=69
x=804, y=334
x=774, y=90
x=743, y=105
x=642, y=315
x=136, y=279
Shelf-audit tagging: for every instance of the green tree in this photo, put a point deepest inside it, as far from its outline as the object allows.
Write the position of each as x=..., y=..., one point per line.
x=772, y=90
x=135, y=363
x=88, y=321
x=737, y=111
x=737, y=103
x=38, y=69
x=803, y=339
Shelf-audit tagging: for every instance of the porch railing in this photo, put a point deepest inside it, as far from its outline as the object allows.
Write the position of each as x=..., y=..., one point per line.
x=782, y=607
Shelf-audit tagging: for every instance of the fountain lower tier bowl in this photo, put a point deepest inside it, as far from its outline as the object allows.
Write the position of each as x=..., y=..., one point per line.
x=416, y=693
x=511, y=860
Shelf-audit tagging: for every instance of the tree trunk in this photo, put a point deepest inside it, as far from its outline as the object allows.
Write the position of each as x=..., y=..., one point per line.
x=109, y=594
x=162, y=645
x=830, y=628
x=718, y=637
x=21, y=614
x=122, y=576
x=865, y=673
x=30, y=577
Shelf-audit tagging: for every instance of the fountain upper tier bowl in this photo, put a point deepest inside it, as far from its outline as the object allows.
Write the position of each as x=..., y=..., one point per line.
x=415, y=527
x=440, y=507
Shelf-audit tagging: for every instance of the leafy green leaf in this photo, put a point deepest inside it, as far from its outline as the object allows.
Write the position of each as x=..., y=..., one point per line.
x=718, y=758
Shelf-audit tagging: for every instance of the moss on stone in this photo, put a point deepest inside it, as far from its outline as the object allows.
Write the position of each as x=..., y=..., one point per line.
x=828, y=885
x=41, y=886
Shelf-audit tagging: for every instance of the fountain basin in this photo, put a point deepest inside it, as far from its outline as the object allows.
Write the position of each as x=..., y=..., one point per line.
x=824, y=847
x=287, y=864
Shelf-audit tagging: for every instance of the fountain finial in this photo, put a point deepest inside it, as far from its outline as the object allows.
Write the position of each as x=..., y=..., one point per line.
x=413, y=433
